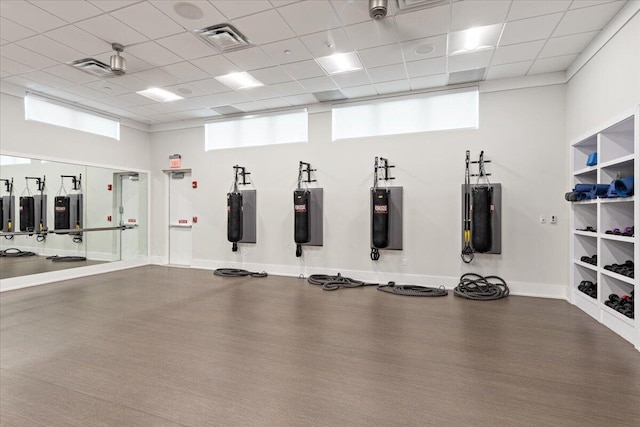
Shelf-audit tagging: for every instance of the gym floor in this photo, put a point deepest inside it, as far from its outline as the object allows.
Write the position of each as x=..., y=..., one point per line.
x=168, y=346
x=26, y=265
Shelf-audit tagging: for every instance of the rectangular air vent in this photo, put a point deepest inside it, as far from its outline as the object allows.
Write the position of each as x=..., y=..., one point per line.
x=93, y=66
x=466, y=76
x=329, y=95
x=224, y=37
x=226, y=109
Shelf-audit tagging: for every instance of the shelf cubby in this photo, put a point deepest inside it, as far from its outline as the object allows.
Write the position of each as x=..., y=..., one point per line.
x=582, y=150
x=617, y=141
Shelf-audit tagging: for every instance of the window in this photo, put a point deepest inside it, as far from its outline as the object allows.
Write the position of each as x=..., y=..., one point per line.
x=49, y=111
x=251, y=131
x=456, y=109
x=9, y=160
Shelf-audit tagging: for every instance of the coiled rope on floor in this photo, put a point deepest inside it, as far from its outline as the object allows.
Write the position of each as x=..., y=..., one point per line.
x=481, y=288
x=236, y=272
x=56, y=258
x=413, y=290
x=15, y=252
x=333, y=283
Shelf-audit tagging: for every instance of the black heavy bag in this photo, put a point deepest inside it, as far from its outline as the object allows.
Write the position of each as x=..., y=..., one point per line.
x=301, y=232
x=27, y=213
x=380, y=220
x=62, y=213
x=234, y=217
x=481, y=233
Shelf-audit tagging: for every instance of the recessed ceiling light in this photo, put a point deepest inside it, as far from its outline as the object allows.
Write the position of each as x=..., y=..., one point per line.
x=188, y=11
x=474, y=39
x=340, y=63
x=242, y=80
x=424, y=49
x=159, y=95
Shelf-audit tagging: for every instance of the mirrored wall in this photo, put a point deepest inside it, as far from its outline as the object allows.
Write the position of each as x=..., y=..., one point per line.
x=39, y=196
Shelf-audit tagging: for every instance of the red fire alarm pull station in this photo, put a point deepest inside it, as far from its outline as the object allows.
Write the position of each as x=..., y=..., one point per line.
x=109, y=218
x=109, y=187
x=194, y=219
x=194, y=184
x=175, y=161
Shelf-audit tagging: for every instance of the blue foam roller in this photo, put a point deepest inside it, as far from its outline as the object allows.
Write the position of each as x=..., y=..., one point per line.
x=611, y=193
x=581, y=196
x=583, y=188
x=624, y=186
x=600, y=189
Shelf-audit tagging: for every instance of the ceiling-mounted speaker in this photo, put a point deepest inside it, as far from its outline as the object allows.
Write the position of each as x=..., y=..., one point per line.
x=378, y=9
x=118, y=63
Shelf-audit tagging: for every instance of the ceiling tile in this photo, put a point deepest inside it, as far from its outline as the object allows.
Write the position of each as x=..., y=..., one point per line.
x=153, y=53
x=109, y=5
x=11, y=31
x=210, y=86
x=304, y=69
x=227, y=98
x=427, y=82
x=426, y=67
x=351, y=12
x=469, y=61
x=382, y=55
x=521, y=9
x=275, y=103
x=305, y=99
x=13, y=67
x=111, y=30
x=297, y=51
x=3, y=41
x=51, y=48
x=393, y=87
x=566, y=45
x=29, y=16
x=250, y=59
x=310, y=16
x=549, y=65
x=478, y=13
x=387, y=73
x=355, y=78
x=530, y=29
x=372, y=33
x=108, y=86
x=423, y=23
x=70, y=73
x=188, y=46
x=359, y=91
x=517, y=52
x=216, y=65
x=132, y=82
x=85, y=92
x=577, y=4
x=25, y=56
x=67, y=96
x=515, y=69
x=29, y=84
x=289, y=88
x=142, y=110
x=271, y=75
x=157, y=77
x=587, y=19
x=280, y=3
x=210, y=15
x=235, y=9
x=70, y=10
x=79, y=40
x=262, y=92
x=318, y=84
x=134, y=99
x=186, y=90
x=439, y=44
x=264, y=27
x=327, y=42
x=48, y=79
x=147, y=20
x=250, y=106
x=185, y=71
x=116, y=101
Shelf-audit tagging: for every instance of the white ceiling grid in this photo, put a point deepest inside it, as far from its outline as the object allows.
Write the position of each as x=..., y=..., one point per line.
x=38, y=38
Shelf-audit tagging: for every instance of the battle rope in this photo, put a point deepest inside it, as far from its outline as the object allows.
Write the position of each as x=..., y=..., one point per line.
x=56, y=258
x=15, y=252
x=476, y=287
x=236, y=272
x=413, y=290
x=333, y=283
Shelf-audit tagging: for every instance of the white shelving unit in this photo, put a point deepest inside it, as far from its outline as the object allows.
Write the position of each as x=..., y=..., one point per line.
x=618, y=148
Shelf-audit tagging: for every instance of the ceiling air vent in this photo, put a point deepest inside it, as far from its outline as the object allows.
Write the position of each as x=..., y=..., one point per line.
x=224, y=37
x=329, y=95
x=226, y=109
x=466, y=76
x=93, y=66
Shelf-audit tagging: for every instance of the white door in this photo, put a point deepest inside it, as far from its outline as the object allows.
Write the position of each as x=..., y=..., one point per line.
x=180, y=218
x=130, y=215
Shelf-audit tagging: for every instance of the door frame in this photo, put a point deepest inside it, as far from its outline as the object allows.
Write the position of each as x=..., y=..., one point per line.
x=167, y=206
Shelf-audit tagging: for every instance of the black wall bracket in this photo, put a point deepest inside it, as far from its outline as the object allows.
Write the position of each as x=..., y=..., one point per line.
x=241, y=172
x=40, y=182
x=76, y=181
x=481, y=162
x=305, y=168
x=382, y=163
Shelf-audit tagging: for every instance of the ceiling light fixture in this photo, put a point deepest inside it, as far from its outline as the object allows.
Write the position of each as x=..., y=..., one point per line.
x=241, y=80
x=474, y=39
x=340, y=63
x=159, y=95
x=188, y=11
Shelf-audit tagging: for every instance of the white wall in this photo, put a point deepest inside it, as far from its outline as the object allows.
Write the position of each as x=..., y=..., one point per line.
x=522, y=131
x=607, y=86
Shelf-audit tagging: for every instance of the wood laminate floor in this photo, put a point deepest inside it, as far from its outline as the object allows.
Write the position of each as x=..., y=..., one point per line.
x=26, y=265
x=157, y=346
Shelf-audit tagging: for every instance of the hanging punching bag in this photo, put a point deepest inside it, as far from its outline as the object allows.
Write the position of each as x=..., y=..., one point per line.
x=27, y=213
x=301, y=230
x=62, y=213
x=481, y=233
x=234, y=218
x=380, y=220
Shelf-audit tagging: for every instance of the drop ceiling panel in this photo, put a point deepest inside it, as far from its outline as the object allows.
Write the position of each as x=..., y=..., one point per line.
x=109, y=5
x=28, y=84
x=517, y=52
x=262, y=92
x=134, y=99
x=577, y=4
x=147, y=20
x=264, y=27
x=426, y=67
x=427, y=82
x=382, y=55
x=111, y=30
x=309, y=17
x=288, y=89
x=108, y=87
x=469, y=61
x=303, y=69
x=549, y=65
x=530, y=29
x=423, y=23
x=186, y=90
x=67, y=72
x=235, y=9
x=515, y=69
x=271, y=75
x=250, y=59
x=327, y=42
x=227, y=98
x=278, y=51
x=439, y=44
x=521, y=9
x=12, y=67
x=210, y=86
x=359, y=91
x=157, y=77
x=188, y=46
x=478, y=13
x=351, y=12
x=250, y=106
x=387, y=73
x=153, y=53
x=85, y=92
x=11, y=31
x=116, y=101
x=372, y=33
x=133, y=83
x=393, y=87
x=25, y=56
x=216, y=65
x=587, y=19
x=61, y=94
x=29, y=16
x=318, y=84
x=79, y=40
x=300, y=99
x=70, y=10
x=275, y=103
x=51, y=48
x=355, y=78
x=566, y=45
x=185, y=71
x=48, y=79
x=210, y=15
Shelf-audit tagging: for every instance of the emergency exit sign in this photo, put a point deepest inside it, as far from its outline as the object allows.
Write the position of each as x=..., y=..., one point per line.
x=175, y=161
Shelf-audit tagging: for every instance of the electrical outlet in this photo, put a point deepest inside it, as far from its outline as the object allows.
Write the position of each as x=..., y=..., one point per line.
x=404, y=261
x=543, y=219
x=554, y=219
